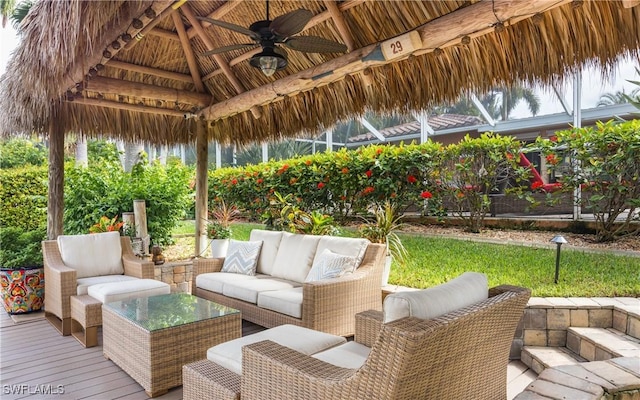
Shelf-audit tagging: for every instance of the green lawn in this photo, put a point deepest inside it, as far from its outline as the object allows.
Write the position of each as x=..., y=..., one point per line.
x=434, y=260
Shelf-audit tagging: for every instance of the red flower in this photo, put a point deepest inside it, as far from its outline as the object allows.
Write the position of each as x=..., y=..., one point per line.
x=343, y=198
x=509, y=156
x=552, y=159
x=320, y=185
x=553, y=138
x=368, y=173
x=411, y=179
x=308, y=162
x=460, y=195
x=259, y=181
x=234, y=181
x=345, y=170
x=536, y=185
x=368, y=189
x=426, y=195
x=394, y=195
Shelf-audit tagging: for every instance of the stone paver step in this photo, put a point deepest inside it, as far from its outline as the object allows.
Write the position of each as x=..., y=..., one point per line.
x=597, y=344
x=540, y=358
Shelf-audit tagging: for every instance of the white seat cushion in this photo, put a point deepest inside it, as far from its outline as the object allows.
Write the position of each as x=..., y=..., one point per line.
x=287, y=301
x=349, y=355
x=306, y=341
x=117, y=291
x=354, y=247
x=214, y=281
x=270, y=244
x=295, y=256
x=84, y=283
x=248, y=290
x=465, y=290
x=92, y=255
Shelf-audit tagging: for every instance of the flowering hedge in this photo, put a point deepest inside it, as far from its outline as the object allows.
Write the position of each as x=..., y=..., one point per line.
x=347, y=182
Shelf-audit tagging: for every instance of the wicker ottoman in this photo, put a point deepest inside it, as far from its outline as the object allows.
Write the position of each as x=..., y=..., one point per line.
x=206, y=380
x=86, y=317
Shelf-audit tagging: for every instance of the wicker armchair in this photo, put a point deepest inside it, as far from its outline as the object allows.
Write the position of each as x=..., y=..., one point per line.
x=462, y=354
x=61, y=281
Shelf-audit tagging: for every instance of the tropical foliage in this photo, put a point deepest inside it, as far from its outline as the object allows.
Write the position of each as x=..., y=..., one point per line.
x=604, y=163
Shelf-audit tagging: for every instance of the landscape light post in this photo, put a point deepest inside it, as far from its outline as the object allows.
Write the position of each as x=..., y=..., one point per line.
x=559, y=240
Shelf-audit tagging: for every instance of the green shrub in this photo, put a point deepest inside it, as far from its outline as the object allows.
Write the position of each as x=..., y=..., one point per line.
x=20, y=248
x=106, y=190
x=604, y=161
x=23, y=195
x=16, y=153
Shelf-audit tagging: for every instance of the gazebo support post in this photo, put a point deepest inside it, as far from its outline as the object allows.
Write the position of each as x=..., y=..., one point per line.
x=202, y=162
x=55, y=204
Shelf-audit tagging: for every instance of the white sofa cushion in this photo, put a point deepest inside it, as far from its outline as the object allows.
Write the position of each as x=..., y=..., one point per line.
x=466, y=289
x=287, y=301
x=330, y=265
x=306, y=341
x=248, y=290
x=214, y=281
x=242, y=257
x=84, y=283
x=93, y=254
x=295, y=256
x=117, y=291
x=354, y=247
x=270, y=244
x=349, y=355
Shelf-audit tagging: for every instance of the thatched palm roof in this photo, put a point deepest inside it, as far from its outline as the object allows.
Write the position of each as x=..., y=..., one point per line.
x=79, y=65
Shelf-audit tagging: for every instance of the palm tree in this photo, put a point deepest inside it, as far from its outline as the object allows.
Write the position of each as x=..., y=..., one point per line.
x=619, y=97
x=16, y=12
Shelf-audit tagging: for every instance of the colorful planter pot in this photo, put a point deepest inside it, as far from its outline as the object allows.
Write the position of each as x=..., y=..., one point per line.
x=22, y=289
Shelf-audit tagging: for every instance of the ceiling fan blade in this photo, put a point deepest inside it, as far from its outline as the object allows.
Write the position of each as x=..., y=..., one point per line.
x=230, y=26
x=290, y=23
x=229, y=48
x=314, y=44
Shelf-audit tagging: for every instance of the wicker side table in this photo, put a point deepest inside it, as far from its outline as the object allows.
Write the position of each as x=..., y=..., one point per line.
x=86, y=317
x=206, y=380
x=152, y=338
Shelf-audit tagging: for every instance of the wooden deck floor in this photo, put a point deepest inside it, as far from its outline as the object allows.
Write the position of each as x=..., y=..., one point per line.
x=37, y=363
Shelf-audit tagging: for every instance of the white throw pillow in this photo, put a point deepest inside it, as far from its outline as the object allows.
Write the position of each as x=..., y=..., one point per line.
x=295, y=256
x=354, y=247
x=94, y=254
x=242, y=257
x=330, y=265
x=465, y=290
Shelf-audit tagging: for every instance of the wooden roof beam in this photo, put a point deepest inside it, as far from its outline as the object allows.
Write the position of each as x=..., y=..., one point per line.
x=474, y=20
x=166, y=12
x=235, y=82
x=129, y=107
x=176, y=76
x=102, y=84
x=188, y=52
x=80, y=69
x=341, y=24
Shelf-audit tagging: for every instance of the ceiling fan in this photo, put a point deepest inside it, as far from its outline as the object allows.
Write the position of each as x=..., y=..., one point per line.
x=270, y=35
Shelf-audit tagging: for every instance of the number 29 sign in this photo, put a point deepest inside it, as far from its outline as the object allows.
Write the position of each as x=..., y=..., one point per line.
x=400, y=46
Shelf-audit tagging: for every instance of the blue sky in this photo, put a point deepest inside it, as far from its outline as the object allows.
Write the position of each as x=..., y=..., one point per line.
x=593, y=85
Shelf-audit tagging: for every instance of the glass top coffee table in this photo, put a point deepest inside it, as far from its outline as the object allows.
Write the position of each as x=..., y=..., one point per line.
x=151, y=338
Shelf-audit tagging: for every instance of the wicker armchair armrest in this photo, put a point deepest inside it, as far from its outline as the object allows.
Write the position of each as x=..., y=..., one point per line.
x=204, y=266
x=368, y=325
x=330, y=305
x=134, y=266
x=60, y=281
x=496, y=290
x=272, y=371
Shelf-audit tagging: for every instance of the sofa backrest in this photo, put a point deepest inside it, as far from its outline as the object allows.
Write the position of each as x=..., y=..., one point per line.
x=295, y=256
x=94, y=254
x=465, y=290
x=352, y=247
x=270, y=244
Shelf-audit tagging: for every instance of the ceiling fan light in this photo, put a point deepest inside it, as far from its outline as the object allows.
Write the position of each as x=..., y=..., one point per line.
x=268, y=61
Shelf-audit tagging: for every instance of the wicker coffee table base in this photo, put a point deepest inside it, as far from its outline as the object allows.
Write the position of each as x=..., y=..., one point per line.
x=86, y=317
x=155, y=359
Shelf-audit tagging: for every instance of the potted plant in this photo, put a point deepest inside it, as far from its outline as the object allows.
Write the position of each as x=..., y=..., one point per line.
x=219, y=228
x=383, y=230
x=21, y=271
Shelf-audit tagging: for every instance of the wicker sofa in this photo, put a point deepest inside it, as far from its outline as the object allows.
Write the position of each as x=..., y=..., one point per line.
x=460, y=354
x=279, y=294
